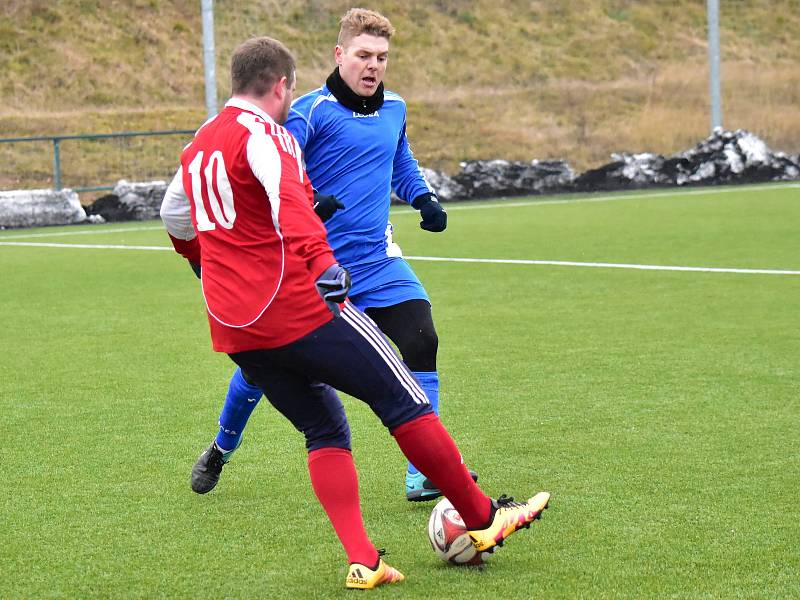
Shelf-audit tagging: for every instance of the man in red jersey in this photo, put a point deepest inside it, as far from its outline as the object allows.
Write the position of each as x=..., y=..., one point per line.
x=241, y=207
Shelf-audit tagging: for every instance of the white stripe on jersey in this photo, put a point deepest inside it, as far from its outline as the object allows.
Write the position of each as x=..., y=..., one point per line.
x=330, y=97
x=387, y=95
x=265, y=163
x=367, y=328
x=298, y=153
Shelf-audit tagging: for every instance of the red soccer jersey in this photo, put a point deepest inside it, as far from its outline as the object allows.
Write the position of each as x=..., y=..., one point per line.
x=262, y=245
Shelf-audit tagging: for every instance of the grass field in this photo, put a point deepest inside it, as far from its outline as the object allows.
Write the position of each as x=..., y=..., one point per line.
x=660, y=408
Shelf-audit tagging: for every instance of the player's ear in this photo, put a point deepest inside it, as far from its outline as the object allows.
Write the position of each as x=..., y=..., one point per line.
x=282, y=87
x=338, y=51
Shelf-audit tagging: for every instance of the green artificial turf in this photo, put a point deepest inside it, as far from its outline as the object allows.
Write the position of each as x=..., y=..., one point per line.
x=660, y=408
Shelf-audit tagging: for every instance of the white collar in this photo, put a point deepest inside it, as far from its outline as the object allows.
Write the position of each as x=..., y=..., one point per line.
x=249, y=106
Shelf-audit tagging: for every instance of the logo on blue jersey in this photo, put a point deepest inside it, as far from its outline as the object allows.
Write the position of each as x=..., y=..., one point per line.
x=359, y=115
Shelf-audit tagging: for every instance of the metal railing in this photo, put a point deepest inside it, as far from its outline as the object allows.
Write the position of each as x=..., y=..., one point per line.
x=153, y=162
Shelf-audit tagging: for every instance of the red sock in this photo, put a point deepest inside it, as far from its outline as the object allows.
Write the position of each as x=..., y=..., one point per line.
x=426, y=443
x=335, y=482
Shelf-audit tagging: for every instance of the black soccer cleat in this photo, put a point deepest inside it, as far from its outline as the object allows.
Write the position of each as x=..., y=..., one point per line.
x=206, y=471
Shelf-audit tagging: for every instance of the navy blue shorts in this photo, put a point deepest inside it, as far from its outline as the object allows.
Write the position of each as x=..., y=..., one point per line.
x=350, y=354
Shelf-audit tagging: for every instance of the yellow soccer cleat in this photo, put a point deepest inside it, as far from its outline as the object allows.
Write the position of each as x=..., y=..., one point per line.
x=361, y=577
x=509, y=516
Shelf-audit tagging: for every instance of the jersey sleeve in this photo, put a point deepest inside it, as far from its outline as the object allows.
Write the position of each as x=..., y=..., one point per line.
x=276, y=162
x=408, y=181
x=176, y=214
x=299, y=123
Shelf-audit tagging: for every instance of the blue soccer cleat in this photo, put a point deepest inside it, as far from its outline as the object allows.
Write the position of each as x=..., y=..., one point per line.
x=421, y=489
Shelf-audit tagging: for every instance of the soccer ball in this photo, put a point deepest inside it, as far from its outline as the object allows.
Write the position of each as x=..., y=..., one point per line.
x=449, y=537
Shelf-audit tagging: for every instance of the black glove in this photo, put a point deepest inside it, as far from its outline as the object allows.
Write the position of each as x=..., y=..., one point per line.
x=434, y=216
x=325, y=205
x=196, y=268
x=333, y=285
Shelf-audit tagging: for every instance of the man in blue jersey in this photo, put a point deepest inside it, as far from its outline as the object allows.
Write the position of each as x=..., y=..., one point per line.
x=353, y=135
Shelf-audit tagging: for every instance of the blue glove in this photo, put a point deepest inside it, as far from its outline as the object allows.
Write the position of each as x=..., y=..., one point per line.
x=195, y=268
x=434, y=217
x=325, y=205
x=333, y=285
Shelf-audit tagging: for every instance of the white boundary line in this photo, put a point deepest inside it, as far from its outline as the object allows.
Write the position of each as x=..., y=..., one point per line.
x=500, y=261
x=472, y=205
x=569, y=263
x=500, y=203
x=22, y=236
x=84, y=246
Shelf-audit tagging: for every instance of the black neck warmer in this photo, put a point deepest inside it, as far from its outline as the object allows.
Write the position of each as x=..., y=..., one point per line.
x=365, y=105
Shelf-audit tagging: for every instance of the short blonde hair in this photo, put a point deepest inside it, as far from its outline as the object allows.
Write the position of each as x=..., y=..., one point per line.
x=360, y=20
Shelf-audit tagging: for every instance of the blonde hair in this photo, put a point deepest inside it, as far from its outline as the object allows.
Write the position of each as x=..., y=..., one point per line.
x=360, y=20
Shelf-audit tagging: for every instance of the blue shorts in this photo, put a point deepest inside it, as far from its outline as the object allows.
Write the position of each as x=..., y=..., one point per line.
x=385, y=282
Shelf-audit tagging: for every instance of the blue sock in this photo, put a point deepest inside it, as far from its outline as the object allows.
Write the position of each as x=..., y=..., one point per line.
x=429, y=381
x=239, y=404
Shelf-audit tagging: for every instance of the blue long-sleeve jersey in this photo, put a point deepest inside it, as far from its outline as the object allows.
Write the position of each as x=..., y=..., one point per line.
x=359, y=159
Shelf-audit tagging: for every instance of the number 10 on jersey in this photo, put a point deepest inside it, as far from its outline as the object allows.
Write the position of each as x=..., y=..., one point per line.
x=218, y=189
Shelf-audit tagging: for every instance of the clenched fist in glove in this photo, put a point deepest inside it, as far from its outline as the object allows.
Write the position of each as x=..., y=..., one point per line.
x=333, y=285
x=325, y=205
x=434, y=217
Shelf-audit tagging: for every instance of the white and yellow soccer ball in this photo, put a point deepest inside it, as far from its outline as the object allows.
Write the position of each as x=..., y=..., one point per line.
x=449, y=538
